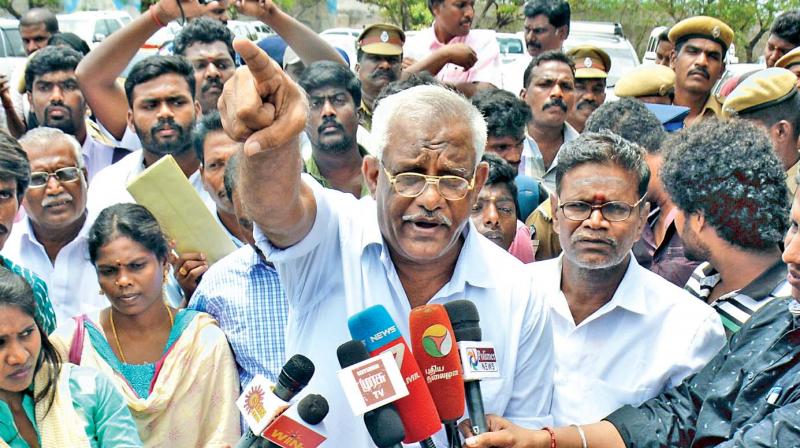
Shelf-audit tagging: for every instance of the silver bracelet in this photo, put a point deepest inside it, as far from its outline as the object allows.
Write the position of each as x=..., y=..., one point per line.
x=584, y=444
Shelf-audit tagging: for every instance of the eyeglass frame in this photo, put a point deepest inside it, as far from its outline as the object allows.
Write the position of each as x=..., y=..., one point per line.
x=54, y=174
x=429, y=180
x=599, y=207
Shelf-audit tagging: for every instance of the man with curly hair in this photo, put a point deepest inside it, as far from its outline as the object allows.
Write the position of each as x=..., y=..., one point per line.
x=732, y=214
x=783, y=36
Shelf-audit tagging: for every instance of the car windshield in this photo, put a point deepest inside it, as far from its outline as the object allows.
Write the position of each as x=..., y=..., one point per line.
x=510, y=45
x=14, y=45
x=76, y=26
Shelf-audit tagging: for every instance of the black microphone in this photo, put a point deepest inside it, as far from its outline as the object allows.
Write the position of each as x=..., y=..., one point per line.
x=466, y=325
x=294, y=376
x=383, y=424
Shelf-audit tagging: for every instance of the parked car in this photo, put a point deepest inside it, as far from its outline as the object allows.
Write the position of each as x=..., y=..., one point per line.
x=12, y=53
x=623, y=56
x=93, y=26
x=353, y=32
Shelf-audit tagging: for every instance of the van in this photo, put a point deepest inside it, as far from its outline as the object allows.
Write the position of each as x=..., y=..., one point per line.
x=650, y=52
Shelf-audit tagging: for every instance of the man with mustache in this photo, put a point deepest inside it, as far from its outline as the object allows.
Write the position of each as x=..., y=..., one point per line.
x=452, y=51
x=646, y=334
x=208, y=45
x=379, y=50
x=52, y=238
x=592, y=65
x=698, y=59
x=745, y=396
x=549, y=90
x=333, y=94
x=546, y=25
x=57, y=102
x=409, y=244
x=15, y=173
x=162, y=110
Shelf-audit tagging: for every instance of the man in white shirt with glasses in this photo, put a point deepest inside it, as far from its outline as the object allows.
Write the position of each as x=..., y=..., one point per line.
x=623, y=334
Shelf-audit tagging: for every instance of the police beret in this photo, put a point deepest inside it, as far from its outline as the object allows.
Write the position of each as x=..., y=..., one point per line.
x=381, y=38
x=704, y=27
x=590, y=62
x=646, y=80
x=789, y=59
x=763, y=89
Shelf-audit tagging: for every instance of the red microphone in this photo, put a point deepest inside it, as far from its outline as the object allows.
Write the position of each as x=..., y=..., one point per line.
x=434, y=347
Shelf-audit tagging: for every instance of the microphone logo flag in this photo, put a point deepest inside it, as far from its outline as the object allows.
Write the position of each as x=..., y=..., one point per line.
x=437, y=341
x=287, y=431
x=479, y=360
x=372, y=383
x=254, y=402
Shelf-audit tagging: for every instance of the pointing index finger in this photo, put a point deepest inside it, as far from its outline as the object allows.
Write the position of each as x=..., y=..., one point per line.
x=257, y=61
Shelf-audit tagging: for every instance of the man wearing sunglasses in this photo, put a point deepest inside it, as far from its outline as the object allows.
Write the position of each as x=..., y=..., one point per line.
x=623, y=333
x=409, y=244
x=51, y=239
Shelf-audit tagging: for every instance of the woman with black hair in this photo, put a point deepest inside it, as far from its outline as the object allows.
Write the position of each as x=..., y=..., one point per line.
x=173, y=367
x=44, y=402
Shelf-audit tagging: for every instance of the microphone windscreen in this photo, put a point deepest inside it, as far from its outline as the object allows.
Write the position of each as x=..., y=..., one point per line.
x=384, y=426
x=465, y=320
x=351, y=352
x=376, y=328
x=294, y=376
x=313, y=408
x=436, y=353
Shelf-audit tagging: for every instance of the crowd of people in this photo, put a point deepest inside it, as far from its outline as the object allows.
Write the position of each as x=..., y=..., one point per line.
x=634, y=261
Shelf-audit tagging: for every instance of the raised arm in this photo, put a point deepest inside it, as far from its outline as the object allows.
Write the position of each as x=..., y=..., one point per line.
x=264, y=108
x=308, y=45
x=98, y=71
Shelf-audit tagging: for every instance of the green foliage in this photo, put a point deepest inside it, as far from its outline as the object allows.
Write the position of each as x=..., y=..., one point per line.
x=8, y=6
x=407, y=14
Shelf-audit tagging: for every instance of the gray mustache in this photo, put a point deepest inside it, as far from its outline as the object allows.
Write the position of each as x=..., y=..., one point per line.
x=430, y=217
x=50, y=200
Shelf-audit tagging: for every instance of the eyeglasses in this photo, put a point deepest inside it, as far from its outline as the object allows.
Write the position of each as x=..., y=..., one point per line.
x=613, y=211
x=64, y=175
x=411, y=185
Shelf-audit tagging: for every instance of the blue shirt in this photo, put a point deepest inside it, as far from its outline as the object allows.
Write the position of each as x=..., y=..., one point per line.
x=243, y=293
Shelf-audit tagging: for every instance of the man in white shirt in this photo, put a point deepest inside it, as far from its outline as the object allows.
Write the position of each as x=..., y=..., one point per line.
x=51, y=240
x=623, y=333
x=549, y=90
x=57, y=102
x=160, y=92
x=411, y=245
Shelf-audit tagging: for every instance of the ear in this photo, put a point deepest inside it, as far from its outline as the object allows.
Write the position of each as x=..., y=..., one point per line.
x=672, y=57
x=522, y=93
x=198, y=110
x=780, y=131
x=30, y=97
x=370, y=169
x=357, y=68
x=563, y=32
x=130, y=121
x=481, y=174
x=554, y=211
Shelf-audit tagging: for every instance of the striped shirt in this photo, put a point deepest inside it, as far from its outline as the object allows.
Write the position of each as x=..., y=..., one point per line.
x=243, y=293
x=736, y=307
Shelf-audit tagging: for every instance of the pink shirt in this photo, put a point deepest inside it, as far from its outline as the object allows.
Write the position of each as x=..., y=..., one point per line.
x=521, y=246
x=484, y=42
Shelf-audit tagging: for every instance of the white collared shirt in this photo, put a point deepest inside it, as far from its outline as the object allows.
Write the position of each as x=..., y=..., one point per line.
x=647, y=338
x=532, y=161
x=343, y=266
x=71, y=280
x=109, y=186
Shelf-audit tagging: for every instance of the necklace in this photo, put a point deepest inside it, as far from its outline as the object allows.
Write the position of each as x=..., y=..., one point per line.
x=114, y=329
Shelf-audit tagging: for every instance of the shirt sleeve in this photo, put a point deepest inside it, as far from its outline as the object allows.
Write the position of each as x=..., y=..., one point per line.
x=488, y=67
x=305, y=268
x=779, y=428
x=670, y=418
x=532, y=393
x=109, y=414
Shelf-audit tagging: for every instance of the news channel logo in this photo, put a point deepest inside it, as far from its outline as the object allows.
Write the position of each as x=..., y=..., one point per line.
x=437, y=341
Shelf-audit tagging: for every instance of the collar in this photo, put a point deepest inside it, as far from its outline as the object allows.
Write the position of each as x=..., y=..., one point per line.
x=630, y=293
x=436, y=43
x=711, y=107
x=365, y=109
x=27, y=229
x=313, y=170
x=766, y=282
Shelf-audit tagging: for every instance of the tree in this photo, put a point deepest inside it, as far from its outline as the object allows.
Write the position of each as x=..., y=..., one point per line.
x=407, y=14
x=8, y=5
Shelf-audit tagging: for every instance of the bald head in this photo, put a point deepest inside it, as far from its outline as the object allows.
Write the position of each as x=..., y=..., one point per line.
x=36, y=27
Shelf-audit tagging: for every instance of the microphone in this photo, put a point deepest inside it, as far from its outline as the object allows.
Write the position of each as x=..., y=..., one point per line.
x=432, y=340
x=383, y=424
x=478, y=359
x=376, y=328
x=261, y=401
x=300, y=425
